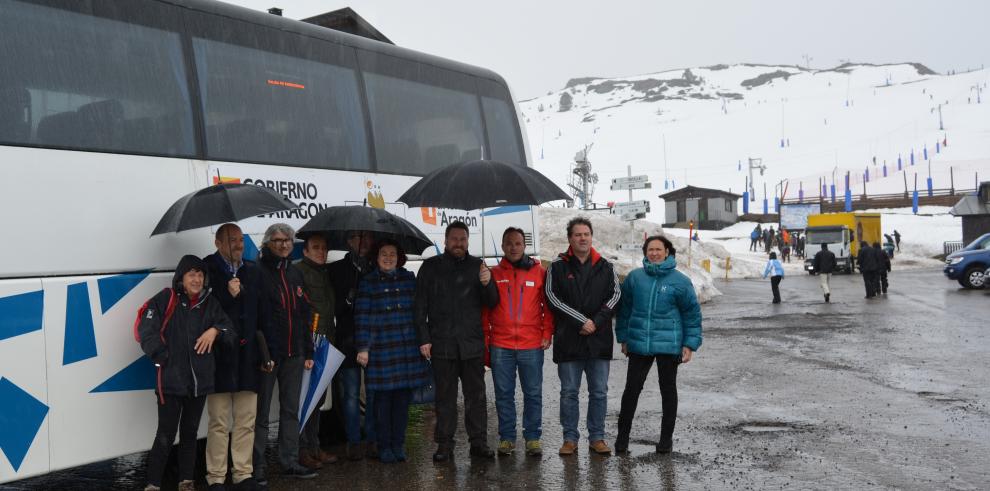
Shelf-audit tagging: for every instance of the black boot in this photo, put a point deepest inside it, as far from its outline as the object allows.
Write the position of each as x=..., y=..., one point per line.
x=443, y=453
x=826, y=298
x=666, y=445
x=622, y=443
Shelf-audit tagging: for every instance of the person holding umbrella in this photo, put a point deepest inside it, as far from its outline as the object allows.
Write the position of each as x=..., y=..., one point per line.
x=178, y=330
x=659, y=321
x=313, y=267
x=285, y=318
x=387, y=346
x=450, y=293
x=233, y=408
x=345, y=275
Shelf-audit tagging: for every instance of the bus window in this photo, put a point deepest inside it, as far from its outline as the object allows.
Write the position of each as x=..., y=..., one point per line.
x=503, y=134
x=77, y=81
x=261, y=106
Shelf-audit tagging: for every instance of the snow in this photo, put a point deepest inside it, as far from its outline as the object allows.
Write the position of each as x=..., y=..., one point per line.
x=704, y=144
x=609, y=232
x=708, y=122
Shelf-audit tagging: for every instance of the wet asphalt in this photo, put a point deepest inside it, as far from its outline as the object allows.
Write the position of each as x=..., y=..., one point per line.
x=886, y=393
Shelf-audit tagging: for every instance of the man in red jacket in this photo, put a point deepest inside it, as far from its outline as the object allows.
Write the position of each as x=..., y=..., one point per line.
x=517, y=331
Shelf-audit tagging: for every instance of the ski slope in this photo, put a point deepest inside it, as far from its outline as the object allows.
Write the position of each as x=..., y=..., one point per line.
x=700, y=126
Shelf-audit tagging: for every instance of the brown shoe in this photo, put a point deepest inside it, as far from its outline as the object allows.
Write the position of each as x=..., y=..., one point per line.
x=327, y=457
x=307, y=460
x=600, y=447
x=568, y=448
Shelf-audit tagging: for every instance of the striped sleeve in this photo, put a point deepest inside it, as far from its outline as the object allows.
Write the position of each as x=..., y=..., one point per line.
x=556, y=303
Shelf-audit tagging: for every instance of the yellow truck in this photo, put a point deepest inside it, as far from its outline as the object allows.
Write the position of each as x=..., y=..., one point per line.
x=842, y=232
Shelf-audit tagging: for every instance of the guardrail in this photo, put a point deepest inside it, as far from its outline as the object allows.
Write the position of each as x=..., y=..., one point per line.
x=950, y=246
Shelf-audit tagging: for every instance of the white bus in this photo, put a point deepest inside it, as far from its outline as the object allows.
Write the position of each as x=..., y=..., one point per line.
x=112, y=110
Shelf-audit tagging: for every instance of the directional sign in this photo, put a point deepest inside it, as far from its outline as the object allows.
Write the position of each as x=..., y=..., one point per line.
x=631, y=182
x=630, y=216
x=639, y=206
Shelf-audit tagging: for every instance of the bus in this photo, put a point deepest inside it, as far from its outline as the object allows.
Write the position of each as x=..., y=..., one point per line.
x=112, y=110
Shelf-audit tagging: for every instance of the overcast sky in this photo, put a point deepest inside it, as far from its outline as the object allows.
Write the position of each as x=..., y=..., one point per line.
x=537, y=45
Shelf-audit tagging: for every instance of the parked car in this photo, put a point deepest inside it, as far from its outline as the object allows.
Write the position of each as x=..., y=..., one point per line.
x=970, y=266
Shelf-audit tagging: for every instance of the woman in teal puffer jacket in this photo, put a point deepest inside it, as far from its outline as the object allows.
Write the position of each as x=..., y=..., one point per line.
x=659, y=319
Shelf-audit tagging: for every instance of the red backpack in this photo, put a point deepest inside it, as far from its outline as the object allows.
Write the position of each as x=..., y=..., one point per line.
x=173, y=300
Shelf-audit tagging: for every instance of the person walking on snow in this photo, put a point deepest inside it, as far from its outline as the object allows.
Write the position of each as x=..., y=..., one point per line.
x=883, y=267
x=777, y=270
x=824, y=265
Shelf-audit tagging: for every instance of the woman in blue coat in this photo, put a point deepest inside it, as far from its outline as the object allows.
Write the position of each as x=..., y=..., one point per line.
x=387, y=346
x=659, y=321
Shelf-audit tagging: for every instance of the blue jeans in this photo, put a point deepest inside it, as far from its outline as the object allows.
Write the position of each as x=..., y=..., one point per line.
x=596, y=371
x=349, y=383
x=529, y=363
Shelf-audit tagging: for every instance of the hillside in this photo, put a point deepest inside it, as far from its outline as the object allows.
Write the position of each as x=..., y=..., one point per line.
x=802, y=123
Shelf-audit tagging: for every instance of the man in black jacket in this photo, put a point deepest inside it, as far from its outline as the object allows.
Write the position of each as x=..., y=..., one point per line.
x=867, y=260
x=883, y=267
x=583, y=291
x=824, y=265
x=233, y=407
x=344, y=276
x=450, y=292
x=285, y=320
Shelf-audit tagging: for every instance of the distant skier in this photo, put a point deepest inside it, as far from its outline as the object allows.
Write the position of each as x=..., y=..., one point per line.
x=897, y=240
x=824, y=265
x=753, y=238
x=776, y=272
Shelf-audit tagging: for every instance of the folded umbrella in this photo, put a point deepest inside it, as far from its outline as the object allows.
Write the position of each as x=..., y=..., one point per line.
x=336, y=221
x=482, y=184
x=326, y=361
x=220, y=204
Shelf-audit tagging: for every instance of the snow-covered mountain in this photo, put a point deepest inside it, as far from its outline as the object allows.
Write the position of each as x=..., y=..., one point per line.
x=699, y=126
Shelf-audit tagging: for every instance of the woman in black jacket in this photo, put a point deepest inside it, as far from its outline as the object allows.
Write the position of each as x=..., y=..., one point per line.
x=178, y=330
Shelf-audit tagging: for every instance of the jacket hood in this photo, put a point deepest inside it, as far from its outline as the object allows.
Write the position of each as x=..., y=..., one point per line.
x=594, y=255
x=187, y=263
x=661, y=269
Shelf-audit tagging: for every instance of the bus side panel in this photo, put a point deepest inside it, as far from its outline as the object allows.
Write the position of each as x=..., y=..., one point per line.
x=24, y=404
x=104, y=406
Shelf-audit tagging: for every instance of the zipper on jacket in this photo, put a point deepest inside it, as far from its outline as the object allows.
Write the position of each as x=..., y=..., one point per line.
x=649, y=316
x=288, y=311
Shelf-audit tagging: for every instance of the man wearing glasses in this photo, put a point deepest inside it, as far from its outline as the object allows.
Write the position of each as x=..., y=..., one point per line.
x=284, y=319
x=233, y=407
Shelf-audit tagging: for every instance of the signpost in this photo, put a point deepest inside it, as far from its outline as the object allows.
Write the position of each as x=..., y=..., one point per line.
x=630, y=211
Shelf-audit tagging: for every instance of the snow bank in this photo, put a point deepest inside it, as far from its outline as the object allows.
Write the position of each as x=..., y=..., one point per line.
x=610, y=232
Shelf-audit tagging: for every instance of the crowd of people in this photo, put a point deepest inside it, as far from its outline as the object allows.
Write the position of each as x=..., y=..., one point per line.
x=228, y=330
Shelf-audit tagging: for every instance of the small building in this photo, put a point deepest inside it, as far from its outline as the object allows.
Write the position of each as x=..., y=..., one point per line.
x=347, y=20
x=709, y=209
x=975, y=212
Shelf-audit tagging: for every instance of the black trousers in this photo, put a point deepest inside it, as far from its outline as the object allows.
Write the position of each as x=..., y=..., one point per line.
x=471, y=374
x=871, y=281
x=392, y=417
x=182, y=414
x=775, y=286
x=883, y=281
x=639, y=368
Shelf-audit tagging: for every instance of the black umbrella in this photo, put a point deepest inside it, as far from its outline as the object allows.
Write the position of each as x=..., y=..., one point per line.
x=219, y=204
x=336, y=221
x=482, y=184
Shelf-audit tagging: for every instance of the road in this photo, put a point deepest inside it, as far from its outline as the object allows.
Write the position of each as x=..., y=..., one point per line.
x=856, y=394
